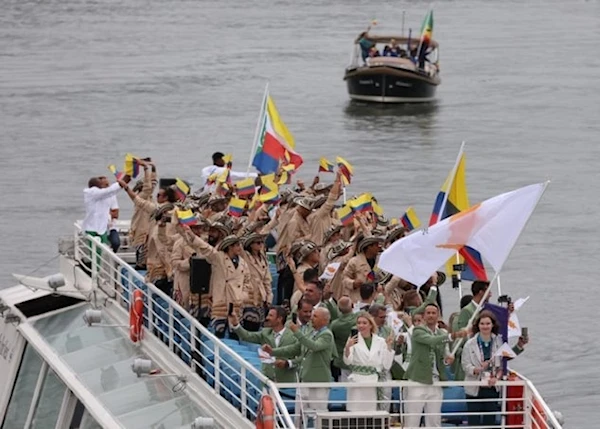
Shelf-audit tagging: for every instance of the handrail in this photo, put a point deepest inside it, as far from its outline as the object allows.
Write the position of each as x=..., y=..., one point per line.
x=109, y=258
x=549, y=413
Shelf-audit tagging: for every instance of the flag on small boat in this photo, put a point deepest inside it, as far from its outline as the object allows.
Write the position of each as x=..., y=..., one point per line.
x=113, y=169
x=245, y=187
x=236, y=207
x=325, y=166
x=410, y=220
x=426, y=36
x=345, y=215
x=186, y=217
x=275, y=142
x=132, y=166
x=453, y=198
x=181, y=189
x=346, y=170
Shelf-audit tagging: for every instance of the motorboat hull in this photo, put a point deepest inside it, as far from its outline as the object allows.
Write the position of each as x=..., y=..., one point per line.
x=390, y=85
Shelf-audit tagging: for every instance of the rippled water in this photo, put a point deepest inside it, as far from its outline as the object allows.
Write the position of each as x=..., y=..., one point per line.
x=83, y=82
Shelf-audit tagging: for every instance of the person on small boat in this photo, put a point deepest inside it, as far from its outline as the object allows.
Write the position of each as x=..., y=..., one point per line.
x=374, y=52
x=365, y=44
x=394, y=50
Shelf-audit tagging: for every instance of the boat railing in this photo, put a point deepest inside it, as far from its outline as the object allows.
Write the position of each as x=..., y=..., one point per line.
x=229, y=374
x=231, y=370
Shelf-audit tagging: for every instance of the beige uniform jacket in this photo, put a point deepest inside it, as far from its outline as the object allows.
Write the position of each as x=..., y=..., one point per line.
x=260, y=285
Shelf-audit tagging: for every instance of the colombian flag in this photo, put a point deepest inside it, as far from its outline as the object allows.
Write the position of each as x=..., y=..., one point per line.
x=362, y=203
x=410, y=220
x=346, y=170
x=345, y=215
x=186, y=217
x=228, y=160
x=181, y=189
x=113, y=169
x=132, y=167
x=454, y=192
x=245, y=187
x=236, y=207
x=286, y=174
x=325, y=166
x=275, y=142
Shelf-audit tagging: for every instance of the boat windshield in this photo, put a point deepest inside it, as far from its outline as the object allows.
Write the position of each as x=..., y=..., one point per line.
x=102, y=357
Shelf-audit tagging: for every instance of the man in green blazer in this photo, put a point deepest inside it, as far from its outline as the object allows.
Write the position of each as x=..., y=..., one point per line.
x=274, y=334
x=478, y=289
x=319, y=295
x=426, y=366
x=313, y=353
x=341, y=328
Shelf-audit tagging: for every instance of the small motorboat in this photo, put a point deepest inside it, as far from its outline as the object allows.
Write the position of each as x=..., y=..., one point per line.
x=394, y=69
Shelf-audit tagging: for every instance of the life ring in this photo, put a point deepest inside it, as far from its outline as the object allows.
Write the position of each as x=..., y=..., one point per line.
x=136, y=316
x=265, y=415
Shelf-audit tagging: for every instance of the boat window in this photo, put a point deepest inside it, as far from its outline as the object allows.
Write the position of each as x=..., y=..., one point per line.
x=51, y=398
x=82, y=419
x=46, y=304
x=26, y=380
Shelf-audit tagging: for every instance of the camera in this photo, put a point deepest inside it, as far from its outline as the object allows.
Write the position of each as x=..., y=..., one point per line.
x=504, y=299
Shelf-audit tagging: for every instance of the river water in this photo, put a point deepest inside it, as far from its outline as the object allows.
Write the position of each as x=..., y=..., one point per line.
x=83, y=82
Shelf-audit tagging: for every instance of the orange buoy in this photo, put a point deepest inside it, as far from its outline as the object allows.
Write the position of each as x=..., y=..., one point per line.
x=136, y=316
x=265, y=415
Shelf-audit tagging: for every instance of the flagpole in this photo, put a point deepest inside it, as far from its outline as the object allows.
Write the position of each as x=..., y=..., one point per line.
x=499, y=287
x=263, y=108
x=497, y=275
x=443, y=207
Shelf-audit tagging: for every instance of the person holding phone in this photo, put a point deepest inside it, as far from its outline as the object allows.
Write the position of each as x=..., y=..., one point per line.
x=368, y=357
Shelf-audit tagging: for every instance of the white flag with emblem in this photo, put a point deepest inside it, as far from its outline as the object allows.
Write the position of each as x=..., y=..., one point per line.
x=505, y=351
x=491, y=227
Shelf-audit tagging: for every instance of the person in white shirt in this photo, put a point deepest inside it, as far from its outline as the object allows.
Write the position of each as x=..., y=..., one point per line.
x=219, y=167
x=113, y=215
x=97, y=199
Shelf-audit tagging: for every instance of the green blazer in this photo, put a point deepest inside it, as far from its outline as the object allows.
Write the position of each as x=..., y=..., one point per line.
x=340, y=328
x=267, y=336
x=313, y=352
x=424, y=342
x=461, y=322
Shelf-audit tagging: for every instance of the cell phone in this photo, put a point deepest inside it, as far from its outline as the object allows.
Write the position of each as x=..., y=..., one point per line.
x=230, y=310
x=353, y=332
x=295, y=318
x=524, y=332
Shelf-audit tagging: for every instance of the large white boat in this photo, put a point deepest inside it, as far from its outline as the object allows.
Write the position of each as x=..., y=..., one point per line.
x=68, y=361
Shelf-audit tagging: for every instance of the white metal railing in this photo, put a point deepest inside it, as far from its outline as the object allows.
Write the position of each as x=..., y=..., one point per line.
x=224, y=370
x=231, y=374
x=517, y=409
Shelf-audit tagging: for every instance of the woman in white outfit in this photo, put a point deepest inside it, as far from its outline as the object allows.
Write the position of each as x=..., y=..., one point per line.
x=368, y=355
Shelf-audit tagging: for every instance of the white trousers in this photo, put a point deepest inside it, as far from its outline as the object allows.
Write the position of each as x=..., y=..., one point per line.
x=310, y=401
x=344, y=375
x=422, y=397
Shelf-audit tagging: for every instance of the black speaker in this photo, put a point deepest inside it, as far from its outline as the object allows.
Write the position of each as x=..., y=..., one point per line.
x=200, y=272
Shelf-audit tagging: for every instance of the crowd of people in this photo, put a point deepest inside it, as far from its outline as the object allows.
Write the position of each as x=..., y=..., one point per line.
x=359, y=324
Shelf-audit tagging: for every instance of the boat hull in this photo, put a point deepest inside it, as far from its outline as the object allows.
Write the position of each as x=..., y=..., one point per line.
x=388, y=85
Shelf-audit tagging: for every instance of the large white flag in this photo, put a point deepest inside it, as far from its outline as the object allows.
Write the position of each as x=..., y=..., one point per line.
x=491, y=227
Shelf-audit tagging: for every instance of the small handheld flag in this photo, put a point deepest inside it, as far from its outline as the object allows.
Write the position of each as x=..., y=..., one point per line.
x=186, y=217
x=362, y=203
x=113, y=169
x=181, y=189
x=346, y=170
x=325, y=166
x=345, y=215
x=228, y=160
x=236, y=207
x=245, y=187
x=505, y=351
x=410, y=220
x=132, y=166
